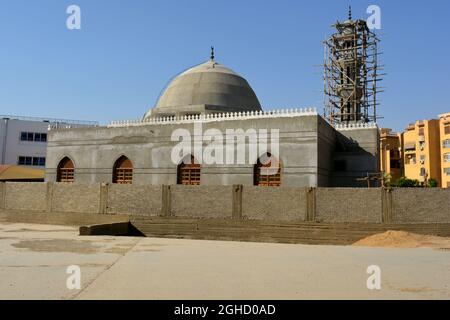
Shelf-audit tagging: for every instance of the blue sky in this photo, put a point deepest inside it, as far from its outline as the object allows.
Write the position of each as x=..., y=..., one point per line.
x=117, y=64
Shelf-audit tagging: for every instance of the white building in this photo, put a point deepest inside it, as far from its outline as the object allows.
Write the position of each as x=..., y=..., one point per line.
x=23, y=140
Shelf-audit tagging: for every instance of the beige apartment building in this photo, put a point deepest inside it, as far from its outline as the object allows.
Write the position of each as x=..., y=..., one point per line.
x=444, y=131
x=421, y=151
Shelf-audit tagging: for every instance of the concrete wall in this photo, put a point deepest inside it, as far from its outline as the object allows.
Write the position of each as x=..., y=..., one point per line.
x=26, y=196
x=358, y=148
x=326, y=141
x=420, y=205
x=134, y=199
x=201, y=201
x=149, y=147
x=237, y=202
x=73, y=197
x=308, y=147
x=2, y=195
x=284, y=203
x=348, y=205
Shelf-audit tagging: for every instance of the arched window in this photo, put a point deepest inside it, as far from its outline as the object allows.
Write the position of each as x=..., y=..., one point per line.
x=267, y=171
x=188, y=171
x=65, y=171
x=123, y=171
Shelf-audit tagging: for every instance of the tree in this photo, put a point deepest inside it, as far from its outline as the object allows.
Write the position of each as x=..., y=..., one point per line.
x=387, y=180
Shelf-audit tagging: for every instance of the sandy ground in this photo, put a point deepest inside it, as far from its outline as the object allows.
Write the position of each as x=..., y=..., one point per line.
x=402, y=239
x=34, y=260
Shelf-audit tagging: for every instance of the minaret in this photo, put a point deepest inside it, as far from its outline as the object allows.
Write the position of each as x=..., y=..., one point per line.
x=350, y=73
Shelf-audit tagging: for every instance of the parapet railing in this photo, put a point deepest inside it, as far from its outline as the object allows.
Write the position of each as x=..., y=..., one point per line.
x=353, y=126
x=62, y=125
x=52, y=120
x=279, y=113
x=211, y=117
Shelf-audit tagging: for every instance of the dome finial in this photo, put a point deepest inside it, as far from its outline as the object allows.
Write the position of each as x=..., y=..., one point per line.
x=350, y=12
x=212, y=53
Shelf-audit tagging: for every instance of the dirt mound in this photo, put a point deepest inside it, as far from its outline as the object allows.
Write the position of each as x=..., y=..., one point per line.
x=402, y=239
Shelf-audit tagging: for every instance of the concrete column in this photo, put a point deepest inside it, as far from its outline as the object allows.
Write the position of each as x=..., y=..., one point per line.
x=103, y=206
x=387, y=203
x=237, y=201
x=49, y=196
x=310, y=205
x=166, y=210
x=2, y=195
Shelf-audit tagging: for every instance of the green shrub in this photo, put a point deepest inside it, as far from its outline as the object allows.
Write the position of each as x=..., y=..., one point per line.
x=406, y=183
x=432, y=183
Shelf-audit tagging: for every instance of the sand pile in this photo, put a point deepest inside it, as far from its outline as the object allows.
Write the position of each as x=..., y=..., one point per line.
x=402, y=239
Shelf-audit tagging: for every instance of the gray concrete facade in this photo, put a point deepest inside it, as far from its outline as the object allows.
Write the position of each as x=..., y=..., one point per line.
x=308, y=147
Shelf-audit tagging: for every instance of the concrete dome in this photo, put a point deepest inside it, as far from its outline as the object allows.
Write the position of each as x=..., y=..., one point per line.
x=206, y=88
